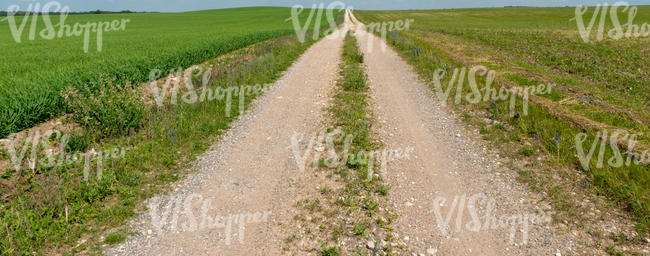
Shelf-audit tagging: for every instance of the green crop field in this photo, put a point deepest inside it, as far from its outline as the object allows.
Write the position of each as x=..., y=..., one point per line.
x=600, y=85
x=34, y=72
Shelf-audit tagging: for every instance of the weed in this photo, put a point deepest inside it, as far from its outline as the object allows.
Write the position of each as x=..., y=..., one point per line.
x=115, y=238
x=108, y=109
x=329, y=251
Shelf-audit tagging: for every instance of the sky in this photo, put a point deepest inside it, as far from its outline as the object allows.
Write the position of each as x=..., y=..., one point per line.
x=192, y=5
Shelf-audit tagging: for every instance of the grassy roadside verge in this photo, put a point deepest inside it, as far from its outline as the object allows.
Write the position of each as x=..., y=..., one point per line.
x=349, y=218
x=543, y=145
x=55, y=211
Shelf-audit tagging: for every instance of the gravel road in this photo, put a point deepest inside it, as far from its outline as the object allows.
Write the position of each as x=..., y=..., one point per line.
x=448, y=164
x=247, y=184
x=241, y=199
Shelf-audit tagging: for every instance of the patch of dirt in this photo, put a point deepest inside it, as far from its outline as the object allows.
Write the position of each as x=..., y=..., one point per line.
x=61, y=124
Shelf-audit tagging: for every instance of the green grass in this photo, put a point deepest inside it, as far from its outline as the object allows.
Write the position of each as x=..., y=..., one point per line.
x=351, y=212
x=545, y=46
x=35, y=72
x=115, y=238
x=329, y=251
x=350, y=108
x=51, y=209
x=361, y=194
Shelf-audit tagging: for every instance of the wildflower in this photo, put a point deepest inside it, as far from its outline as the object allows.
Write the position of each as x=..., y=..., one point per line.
x=557, y=142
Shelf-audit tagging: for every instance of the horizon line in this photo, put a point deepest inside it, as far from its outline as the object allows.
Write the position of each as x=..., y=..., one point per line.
x=267, y=6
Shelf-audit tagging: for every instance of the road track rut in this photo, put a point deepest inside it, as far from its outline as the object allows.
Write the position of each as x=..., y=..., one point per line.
x=249, y=170
x=447, y=163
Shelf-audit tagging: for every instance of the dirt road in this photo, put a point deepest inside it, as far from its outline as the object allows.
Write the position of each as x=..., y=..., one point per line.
x=452, y=196
x=248, y=175
x=448, y=168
